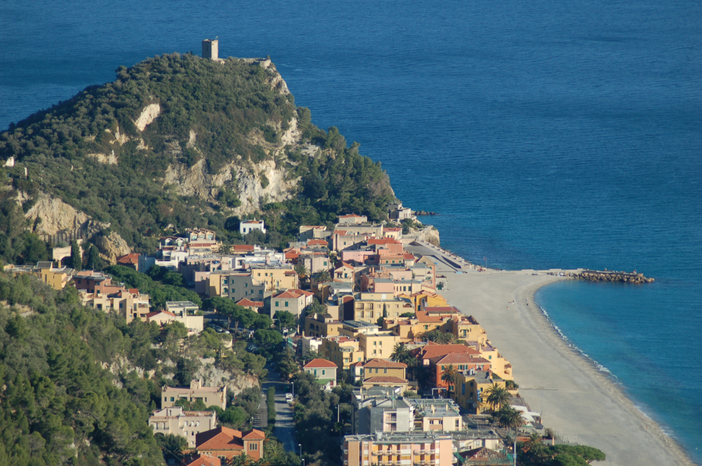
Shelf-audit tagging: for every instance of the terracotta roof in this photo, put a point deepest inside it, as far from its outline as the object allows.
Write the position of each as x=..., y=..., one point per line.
x=220, y=438
x=409, y=256
x=132, y=258
x=242, y=247
x=383, y=241
x=385, y=379
x=255, y=434
x=317, y=242
x=247, y=302
x=319, y=362
x=384, y=363
x=432, y=350
x=204, y=460
x=459, y=358
x=252, y=221
x=293, y=293
x=345, y=264
x=350, y=216
x=340, y=232
x=423, y=317
x=391, y=229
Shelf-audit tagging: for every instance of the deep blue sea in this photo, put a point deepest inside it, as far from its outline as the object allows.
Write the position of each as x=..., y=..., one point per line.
x=545, y=133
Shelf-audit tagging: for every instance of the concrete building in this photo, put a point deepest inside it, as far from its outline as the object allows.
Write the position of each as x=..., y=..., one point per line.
x=371, y=306
x=379, y=367
x=343, y=351
x=410, y=449
x=379, y=345
x=470, y=386
x=211, y=396
x=210, y=49
x=384, y=415
x=185, y=424
x=436, y=414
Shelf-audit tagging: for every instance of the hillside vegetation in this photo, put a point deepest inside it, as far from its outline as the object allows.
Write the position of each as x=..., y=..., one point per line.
x=176, y=142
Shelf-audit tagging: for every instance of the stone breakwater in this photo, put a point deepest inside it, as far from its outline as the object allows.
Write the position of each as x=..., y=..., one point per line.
x=612, y=276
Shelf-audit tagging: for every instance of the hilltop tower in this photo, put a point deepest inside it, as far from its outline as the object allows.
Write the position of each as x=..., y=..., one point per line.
x=210, y=49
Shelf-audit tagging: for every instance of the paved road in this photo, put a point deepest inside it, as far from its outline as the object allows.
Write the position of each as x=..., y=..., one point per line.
x=284, y=430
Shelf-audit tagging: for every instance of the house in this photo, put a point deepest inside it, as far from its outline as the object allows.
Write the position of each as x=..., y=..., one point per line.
x=255, y=306
x=371, y=306
x=225, y=443
x=57, y=278
x=130, y=260
x=322, y=325
x=211, y=396
x=129, y=303
x=200, y=234
x=344, y=273
x=235, y=285
x=379, y=367
x=275, y=277
x=323, y=370
x=499, y=365
x=194, y=324
x=247, y=226
x=294, y=301
x=406, y=448
x=185, y=424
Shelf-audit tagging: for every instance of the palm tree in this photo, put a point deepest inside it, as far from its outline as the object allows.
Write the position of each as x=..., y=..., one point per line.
x=509, y=418
x=400, y=353
x=449, y=376
x=497, y=397
x=324, y=276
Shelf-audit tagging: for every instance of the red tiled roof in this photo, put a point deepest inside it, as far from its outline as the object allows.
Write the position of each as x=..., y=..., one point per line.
x=242, y=247
x=132, y=258
x=255, y=434
x=384, y=363
x=432, y=350
x=459, y=358
x=317, y=242
x=152, y=314
x=293, y=293
x=220, y=438
x=442, y=310
x=383, y=241
x=350, y=216
x=319, y=362
x=247, y=302
x=204, y=460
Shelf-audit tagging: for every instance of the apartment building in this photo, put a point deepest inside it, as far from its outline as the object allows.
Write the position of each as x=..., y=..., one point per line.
x=211, y=396
x=185, y=424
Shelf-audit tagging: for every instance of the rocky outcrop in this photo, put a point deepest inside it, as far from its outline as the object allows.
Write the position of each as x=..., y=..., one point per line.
x=112, y=246
x=211, y=375
x=148, y=115
x=611, y=276
x=110, y=159
x=247, y=182
x=50, y=216
x=429, y=234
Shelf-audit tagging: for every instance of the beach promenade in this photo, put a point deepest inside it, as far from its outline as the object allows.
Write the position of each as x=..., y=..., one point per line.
x=582, y=404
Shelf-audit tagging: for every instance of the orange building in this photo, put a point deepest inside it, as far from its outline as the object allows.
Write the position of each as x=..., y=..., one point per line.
x=225, y=443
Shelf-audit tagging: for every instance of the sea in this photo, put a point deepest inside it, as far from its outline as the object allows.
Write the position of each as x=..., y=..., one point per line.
x=545, y=134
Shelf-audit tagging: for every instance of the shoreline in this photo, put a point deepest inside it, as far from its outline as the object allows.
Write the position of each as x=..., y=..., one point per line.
x=581, y=402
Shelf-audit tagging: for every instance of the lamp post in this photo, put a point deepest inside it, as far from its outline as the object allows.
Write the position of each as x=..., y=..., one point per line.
x=300, y=445
x=293, y=389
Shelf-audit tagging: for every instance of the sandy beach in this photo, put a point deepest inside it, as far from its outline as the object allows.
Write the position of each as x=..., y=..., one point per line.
x=582, y=404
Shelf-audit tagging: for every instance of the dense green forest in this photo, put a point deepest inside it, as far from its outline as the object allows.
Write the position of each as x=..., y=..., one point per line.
x=238, y=115
x=77, y=385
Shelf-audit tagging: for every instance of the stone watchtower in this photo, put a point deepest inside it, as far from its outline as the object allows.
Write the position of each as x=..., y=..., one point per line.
x=210, y=49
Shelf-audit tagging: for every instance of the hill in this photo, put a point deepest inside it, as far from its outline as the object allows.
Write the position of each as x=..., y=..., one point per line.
x=177, y=141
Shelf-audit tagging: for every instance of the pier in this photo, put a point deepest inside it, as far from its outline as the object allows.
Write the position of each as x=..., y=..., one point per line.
x=612, y=276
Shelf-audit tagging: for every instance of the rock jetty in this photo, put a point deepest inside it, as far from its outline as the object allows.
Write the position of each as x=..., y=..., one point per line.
x=423, y=212
x=612, y=276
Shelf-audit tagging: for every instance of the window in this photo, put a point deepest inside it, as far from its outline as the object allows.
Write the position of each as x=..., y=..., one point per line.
x=385, y=371
x=253, y=446
x=277, y=304
x=172, y=399
x=324, y=372
x=463, y=390
x=286, y=304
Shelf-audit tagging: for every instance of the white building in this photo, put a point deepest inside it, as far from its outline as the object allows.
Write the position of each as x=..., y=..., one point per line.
x=247, y=226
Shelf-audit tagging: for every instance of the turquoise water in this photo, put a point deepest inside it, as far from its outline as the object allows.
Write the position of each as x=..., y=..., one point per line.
x=547, y=134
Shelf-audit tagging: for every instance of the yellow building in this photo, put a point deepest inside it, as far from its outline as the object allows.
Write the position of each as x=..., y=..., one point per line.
x=378, y=345
x=466, y=328
x=436, y=414
x=470, y=387
x=369, y=307
x=499, y=365
x=342, y=351
x=275, y=278
x=426, y=298
x=319, y=325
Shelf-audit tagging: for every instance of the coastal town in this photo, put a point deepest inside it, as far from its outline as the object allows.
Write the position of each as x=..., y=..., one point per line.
x=364, y=315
